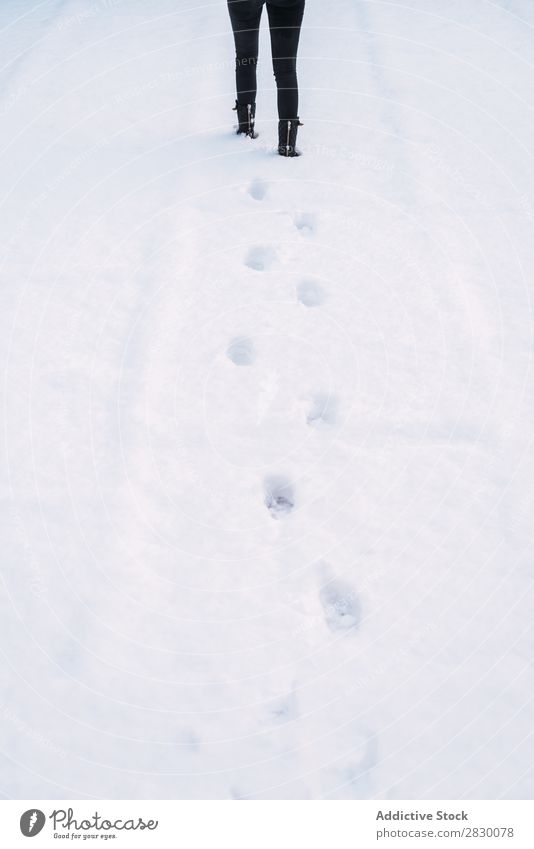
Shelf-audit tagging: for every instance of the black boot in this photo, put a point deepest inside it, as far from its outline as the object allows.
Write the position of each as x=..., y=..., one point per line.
x=246, y=113
x=287, y=137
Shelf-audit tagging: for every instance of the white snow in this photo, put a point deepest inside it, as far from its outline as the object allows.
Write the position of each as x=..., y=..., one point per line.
x=267, y=473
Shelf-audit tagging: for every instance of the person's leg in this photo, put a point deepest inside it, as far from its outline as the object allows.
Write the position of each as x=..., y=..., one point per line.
x=245, y=16
x=284, y=25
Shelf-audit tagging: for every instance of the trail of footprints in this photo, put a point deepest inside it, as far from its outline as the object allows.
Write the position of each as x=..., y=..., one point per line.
x=339, y=601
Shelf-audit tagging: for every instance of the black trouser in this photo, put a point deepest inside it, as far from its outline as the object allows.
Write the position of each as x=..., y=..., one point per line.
x=284, y=24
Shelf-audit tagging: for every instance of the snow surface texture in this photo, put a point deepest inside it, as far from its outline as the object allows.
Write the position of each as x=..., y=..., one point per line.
x=267, y=478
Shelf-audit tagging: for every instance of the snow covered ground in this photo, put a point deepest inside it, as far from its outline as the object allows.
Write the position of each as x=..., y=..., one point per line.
x=267, y=471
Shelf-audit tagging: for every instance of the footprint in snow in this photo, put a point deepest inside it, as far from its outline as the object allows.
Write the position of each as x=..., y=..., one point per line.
x=260, y=258
x=341, y=606
x=188, y=741
x=283, y=709
x=241, y=351
x=237, y=795
x=357, y=777
x=323, y=411
x=310, y=293
x=279, y=496
x=306, y=223
x=257, y=189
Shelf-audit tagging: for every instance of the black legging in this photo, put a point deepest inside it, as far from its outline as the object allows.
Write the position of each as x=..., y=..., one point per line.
x=285, y=20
